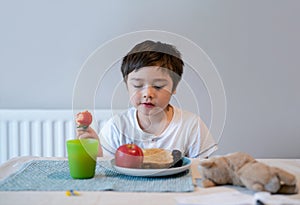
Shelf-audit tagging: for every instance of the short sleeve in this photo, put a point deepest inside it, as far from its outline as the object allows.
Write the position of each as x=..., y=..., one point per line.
x=203, y=144
x=208, y=143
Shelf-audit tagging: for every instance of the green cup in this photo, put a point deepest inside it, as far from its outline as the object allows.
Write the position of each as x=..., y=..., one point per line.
x=82, y=157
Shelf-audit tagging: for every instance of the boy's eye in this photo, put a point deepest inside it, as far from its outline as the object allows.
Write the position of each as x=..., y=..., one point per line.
x=158, y=87
x=137, y=86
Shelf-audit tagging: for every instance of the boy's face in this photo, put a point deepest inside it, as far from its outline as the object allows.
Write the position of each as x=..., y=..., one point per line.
x=150, y=89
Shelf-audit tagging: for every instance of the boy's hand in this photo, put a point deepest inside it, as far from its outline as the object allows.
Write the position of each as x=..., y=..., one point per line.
x=83, y=121
x=86, y=133
x=89, y=133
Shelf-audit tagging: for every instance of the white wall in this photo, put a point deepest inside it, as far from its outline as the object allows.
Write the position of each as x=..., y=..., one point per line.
x=253, y=44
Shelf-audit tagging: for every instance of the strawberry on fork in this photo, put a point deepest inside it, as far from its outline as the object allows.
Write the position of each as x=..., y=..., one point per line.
x=84, y=119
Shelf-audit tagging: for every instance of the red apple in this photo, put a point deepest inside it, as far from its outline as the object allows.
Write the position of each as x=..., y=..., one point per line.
x=129, y=156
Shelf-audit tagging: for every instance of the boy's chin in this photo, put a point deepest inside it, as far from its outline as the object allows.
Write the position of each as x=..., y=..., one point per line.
x=150, y=111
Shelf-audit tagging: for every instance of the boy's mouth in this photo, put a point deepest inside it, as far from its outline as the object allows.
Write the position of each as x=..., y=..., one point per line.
x=148, y=105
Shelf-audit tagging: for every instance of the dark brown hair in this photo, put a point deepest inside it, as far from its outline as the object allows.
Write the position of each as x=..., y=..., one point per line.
x=150, y=53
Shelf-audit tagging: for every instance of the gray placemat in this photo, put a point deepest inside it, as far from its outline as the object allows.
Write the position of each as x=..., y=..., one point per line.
x=53, y=175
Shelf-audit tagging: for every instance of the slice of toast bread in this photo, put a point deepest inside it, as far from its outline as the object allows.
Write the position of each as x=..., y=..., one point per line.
x=156, y=158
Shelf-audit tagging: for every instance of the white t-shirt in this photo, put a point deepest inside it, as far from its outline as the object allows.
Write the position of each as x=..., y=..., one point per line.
x=186, y=132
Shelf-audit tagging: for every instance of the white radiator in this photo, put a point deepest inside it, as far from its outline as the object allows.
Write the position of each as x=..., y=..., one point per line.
x=40, y=132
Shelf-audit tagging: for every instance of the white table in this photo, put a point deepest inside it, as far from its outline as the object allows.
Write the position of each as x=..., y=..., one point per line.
x=111, y=197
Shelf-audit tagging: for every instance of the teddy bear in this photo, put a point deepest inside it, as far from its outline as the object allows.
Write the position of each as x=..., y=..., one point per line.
x=243, y=170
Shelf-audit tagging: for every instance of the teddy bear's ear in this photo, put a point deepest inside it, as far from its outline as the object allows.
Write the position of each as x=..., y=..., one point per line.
x=207, y=163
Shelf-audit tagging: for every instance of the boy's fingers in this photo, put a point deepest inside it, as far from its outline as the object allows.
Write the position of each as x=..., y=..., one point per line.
x=81, y=132
x=87, y=135
x=84, y=135
x=80, y=128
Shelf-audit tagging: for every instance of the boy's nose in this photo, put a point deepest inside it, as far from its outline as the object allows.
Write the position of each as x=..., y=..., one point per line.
x=148, y=92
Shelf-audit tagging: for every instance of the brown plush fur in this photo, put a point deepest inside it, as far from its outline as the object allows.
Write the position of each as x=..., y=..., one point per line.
x=243, y=170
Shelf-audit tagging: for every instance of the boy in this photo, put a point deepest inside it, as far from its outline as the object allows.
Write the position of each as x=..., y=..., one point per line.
x=152, y=71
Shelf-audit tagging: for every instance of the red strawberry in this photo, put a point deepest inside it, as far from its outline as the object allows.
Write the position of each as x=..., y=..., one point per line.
x=84, y=119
